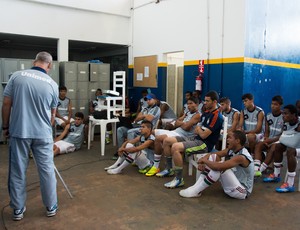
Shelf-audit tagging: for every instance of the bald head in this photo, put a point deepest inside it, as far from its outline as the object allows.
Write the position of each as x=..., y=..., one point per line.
x=43, y=60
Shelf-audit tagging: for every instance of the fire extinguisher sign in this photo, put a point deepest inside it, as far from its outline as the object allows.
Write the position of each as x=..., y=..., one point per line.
x=199, y=77
x=201, y=67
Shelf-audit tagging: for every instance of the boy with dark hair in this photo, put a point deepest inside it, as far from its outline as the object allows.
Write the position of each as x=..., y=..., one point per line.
x=136, y=150
x=71, y=138
x=207, y=134
x=273, y=129
x=251, y=121
x=63, y=115
x=235, y=173
x=289, y=141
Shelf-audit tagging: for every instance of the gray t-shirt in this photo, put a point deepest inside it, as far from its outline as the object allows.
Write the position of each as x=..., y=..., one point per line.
x=33, y=94
x=75, y=135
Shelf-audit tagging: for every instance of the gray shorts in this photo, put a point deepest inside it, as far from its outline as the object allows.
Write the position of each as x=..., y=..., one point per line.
x=195, y=147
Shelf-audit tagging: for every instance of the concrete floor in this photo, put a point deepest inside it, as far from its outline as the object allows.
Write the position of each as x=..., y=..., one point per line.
x=134, y=201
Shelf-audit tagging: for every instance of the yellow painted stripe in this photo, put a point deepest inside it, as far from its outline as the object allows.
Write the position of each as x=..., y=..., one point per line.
x=162, y=64
x=130, y=66
x=236, y=60
x=272, y=63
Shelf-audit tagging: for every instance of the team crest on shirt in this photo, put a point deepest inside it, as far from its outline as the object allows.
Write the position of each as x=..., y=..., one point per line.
x=71, y=130
x=58, y=104
x=284, y=127
x=270, y=122
x=246, y=116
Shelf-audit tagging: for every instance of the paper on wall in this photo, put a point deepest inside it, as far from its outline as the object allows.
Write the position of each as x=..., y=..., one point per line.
x=139, y=76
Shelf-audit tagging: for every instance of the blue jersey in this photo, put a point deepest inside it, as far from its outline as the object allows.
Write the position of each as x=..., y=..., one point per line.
x=33, y=94
x=214, y=122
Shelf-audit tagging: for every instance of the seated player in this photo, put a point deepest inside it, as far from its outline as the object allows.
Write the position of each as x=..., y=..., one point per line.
x=71, y=138
x=235, y=173
x=136, y=150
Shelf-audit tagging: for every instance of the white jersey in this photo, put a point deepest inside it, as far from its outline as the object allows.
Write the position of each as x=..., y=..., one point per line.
x=244, y=175
x=63, y=106
x=290, y=137
x=185, y=133
x=251, y=118
x=75, y=135
x=275, y=124
x=230, y=116
x=170, y=114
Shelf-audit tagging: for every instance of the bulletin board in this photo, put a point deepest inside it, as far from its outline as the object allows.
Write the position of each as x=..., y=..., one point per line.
x=145, y=71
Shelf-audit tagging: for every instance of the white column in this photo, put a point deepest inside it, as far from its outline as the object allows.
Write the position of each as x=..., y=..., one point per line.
x=63, y=49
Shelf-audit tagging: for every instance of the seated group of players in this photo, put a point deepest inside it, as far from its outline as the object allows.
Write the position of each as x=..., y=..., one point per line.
x=254, y=141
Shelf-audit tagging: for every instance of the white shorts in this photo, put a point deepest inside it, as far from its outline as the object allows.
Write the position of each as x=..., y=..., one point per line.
x=60, y=121
x=169, y=133
x=259, y=137
x=231, y=185
x=164, y=121
x=65, y=147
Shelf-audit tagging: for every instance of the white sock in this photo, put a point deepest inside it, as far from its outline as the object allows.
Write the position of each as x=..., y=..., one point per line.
x=156, y=160
x=256, y=165
x=142, y=161
x=277, y=168
x=291, y=178
x=263, y=167
x=128, y=160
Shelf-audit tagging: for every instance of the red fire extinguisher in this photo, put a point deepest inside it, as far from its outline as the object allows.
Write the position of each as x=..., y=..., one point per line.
x=199, y=78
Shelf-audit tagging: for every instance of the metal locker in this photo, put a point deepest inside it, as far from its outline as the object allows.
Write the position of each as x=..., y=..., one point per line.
x=9, y=67
x=94, y=72
x=72, y=90
x=54, y=71
x=25, y=64
x=83, y=90
x=104, y=73
x=82, y=106
x=67, y=72
x=82, y=71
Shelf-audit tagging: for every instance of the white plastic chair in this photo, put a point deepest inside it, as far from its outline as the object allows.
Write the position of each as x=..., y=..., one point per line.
x=111, y=106
x=193, y=159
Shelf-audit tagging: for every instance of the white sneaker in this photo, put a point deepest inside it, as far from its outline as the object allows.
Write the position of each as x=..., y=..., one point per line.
x=189, y=193
x=112, y=167
x=113, y=171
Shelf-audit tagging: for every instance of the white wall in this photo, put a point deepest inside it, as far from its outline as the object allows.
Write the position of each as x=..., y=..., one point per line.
x=177, y=25
x=67, y=22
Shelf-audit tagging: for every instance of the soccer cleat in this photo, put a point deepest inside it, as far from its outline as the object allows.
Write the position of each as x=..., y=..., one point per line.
x=271, y=178
x=165, y=173
x=145, y=170
x=113, y=171
x=257, y=174
x=189, y=193
x=285, y=188
x=19, y=214
x=175, y=183
x=152, y=171
x=52, y=211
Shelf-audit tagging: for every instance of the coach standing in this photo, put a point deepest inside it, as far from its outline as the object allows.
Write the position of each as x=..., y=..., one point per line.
x=29, y=106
